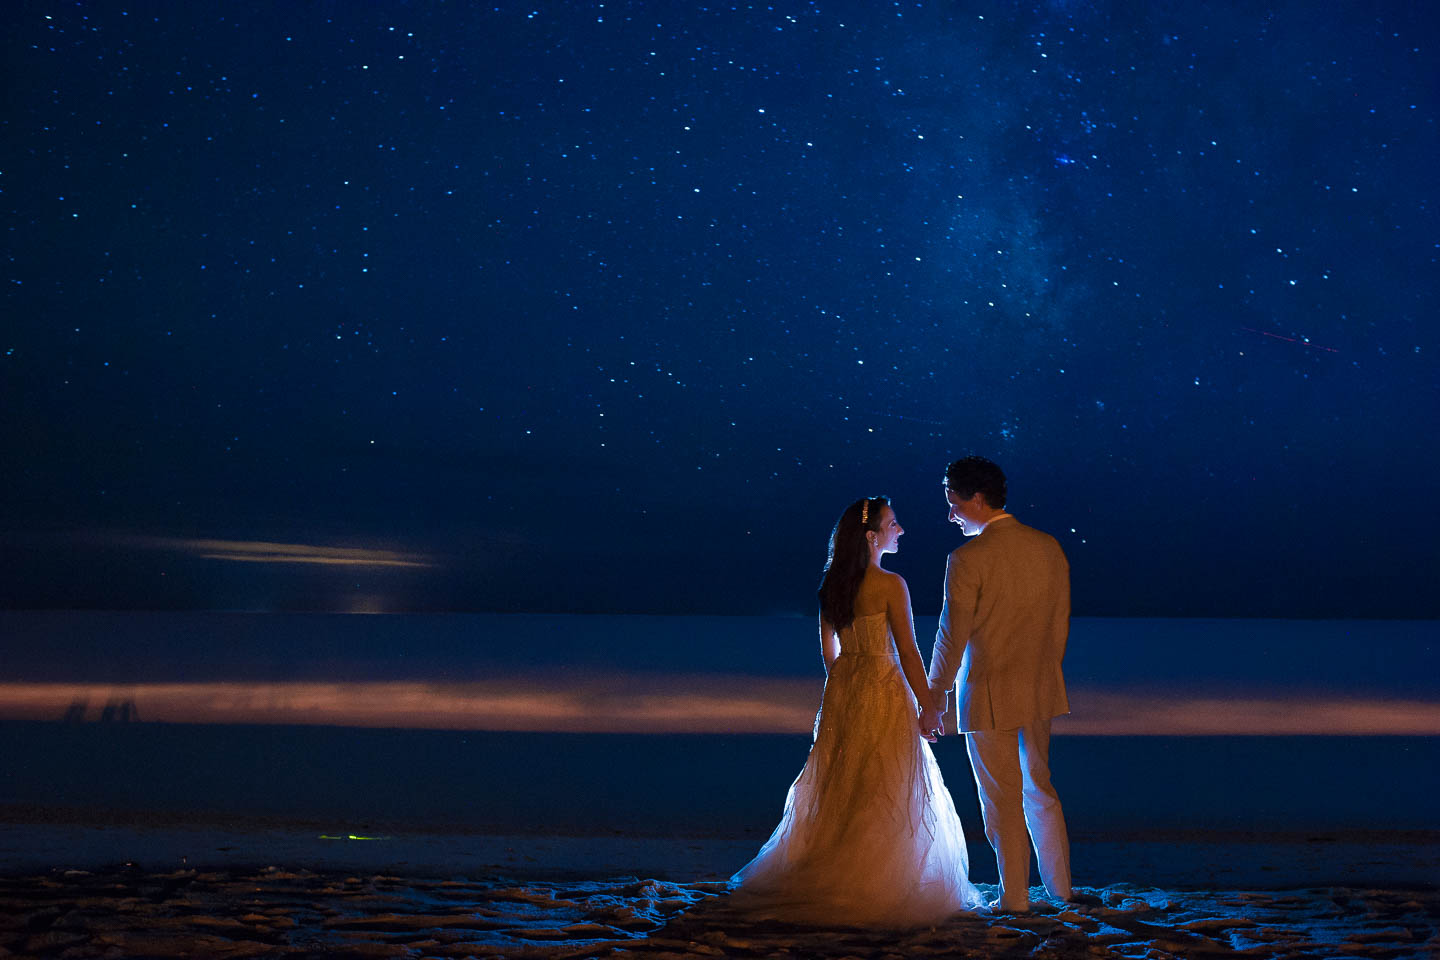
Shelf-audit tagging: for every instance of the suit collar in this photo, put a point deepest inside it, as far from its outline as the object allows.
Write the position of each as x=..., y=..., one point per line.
x=996, y=519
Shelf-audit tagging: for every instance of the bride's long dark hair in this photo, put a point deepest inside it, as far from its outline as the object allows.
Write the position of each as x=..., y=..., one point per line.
x=848, y=559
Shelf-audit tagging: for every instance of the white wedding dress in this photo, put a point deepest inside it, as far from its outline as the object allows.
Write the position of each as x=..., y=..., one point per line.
x=869, y=836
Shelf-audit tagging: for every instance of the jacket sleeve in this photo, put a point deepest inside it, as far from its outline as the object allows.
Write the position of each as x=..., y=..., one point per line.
x=956, y=619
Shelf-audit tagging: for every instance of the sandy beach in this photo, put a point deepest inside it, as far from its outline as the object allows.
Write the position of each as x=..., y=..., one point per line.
x=289, y=913
x=269, y=889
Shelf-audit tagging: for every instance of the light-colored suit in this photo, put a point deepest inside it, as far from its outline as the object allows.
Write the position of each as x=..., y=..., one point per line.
x=1000, y=644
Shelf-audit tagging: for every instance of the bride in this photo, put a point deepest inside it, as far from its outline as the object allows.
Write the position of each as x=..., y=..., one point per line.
x=869, y=836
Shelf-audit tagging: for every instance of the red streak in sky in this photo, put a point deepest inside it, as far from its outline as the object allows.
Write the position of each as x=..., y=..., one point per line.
x=1303, y=343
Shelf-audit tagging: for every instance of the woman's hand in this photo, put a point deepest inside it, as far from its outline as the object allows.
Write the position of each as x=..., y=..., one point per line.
x=930, y=726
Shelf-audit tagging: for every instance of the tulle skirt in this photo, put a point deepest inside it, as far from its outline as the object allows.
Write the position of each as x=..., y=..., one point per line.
x=869, y=836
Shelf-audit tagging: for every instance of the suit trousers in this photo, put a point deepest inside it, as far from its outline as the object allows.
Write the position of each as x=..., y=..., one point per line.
x=1012, y=773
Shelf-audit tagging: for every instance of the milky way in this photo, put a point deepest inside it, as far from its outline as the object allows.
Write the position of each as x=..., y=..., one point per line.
x=616, y=306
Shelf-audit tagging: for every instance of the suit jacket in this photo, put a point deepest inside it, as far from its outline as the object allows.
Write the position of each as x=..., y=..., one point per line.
x=1003, y=629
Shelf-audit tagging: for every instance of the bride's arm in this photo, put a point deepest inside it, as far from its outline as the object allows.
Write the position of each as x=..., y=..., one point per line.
x=902, y=626
x=829, y=644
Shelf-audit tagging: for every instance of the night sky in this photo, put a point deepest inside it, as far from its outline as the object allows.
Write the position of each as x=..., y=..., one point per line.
x=614, y=307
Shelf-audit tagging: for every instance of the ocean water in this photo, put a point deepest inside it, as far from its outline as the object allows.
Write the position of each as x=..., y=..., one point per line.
x=683, y=784
x=674, y=783
x=1396, y=658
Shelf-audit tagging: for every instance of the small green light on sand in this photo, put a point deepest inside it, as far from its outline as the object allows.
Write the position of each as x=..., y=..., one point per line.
x=349, y=836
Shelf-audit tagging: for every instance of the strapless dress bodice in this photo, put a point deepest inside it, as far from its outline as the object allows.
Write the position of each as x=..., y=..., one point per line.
x=868, y=636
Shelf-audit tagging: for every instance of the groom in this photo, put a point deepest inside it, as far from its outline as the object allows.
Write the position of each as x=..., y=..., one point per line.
x=1002, y=634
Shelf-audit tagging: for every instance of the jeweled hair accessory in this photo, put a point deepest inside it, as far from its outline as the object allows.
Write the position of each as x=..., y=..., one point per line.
x=864, y=511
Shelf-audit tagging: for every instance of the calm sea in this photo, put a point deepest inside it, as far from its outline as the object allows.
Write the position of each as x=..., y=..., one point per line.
x=685, y=783
x=664, y=784
x=1397, y=658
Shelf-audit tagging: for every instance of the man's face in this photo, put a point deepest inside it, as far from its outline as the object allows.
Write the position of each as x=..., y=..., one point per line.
x=964, y=512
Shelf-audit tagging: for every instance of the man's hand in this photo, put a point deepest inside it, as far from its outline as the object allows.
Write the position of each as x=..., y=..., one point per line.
x=930, y=726
x=940, y=704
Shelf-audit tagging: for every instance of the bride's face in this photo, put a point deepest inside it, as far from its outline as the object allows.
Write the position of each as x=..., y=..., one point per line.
x=890, y=531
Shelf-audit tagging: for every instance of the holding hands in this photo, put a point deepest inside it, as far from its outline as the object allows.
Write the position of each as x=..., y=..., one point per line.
x=932, y=715
x=930, y=725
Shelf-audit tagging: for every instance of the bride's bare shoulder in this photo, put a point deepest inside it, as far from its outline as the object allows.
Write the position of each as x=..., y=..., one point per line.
x=887, y=584
x=889, y=577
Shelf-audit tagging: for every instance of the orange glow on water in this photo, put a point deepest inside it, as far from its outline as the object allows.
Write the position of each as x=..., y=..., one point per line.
x=1127, y=714
x=602, y=705
x=674, y=703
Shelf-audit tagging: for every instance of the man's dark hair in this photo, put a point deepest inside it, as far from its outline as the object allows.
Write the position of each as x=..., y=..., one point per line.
x=972, y=475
